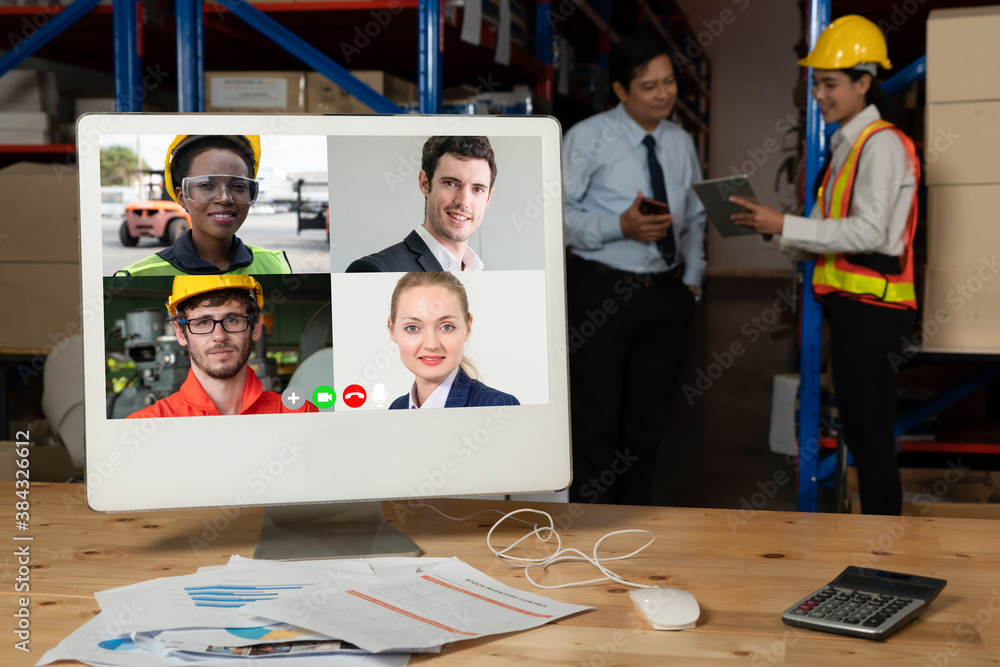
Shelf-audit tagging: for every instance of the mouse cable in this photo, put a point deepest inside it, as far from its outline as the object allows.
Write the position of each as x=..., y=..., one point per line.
x=408, y=505
x=544, y=533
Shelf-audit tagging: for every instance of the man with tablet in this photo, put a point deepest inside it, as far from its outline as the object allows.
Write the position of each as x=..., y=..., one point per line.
x=634, y=274
x=456, y=178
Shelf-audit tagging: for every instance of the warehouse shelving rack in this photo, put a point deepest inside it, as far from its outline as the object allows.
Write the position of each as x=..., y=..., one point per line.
x=191, y=20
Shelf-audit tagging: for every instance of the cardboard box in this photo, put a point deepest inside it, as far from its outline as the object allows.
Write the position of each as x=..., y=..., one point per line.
x=41, y=220
x=29, y=90
x=962, y=54
x=105, y=103
x=93, y=105
x=961, y=306
x=48, y=298
x=24, y=137
x=961, y=143
x=24, y=127
x=324, y=96
x=942, y=492
x=962, y=223
x=47, y=463
x=255, y=92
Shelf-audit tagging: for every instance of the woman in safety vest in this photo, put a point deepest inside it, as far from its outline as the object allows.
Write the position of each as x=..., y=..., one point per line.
x=212, y=177
x=862, y=229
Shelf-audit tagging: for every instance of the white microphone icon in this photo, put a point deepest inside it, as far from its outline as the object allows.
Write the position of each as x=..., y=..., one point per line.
x=379, y=394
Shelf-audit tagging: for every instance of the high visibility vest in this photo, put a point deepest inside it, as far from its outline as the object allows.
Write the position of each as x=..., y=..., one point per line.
x=264, y=262
x=842, y=273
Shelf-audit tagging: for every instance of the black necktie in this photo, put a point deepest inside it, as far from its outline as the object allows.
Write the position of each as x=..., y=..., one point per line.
x=667, y=245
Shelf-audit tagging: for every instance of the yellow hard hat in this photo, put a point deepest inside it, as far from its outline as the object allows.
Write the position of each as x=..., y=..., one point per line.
x=186, y=287
x=251, y=140
x=850, y=40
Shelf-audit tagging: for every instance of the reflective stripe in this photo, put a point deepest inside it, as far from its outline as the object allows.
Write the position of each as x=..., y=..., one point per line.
x=857, y=283
x=842, y=187
x=264, y=262
x=834, y=273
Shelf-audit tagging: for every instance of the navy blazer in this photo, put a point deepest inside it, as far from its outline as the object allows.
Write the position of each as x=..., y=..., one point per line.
x=465, y=392
x=411, y=254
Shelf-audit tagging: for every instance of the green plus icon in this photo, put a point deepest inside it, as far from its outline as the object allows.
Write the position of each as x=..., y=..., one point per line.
x=324, y=397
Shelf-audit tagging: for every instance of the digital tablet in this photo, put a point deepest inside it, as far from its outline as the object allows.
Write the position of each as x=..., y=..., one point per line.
x=715, y=194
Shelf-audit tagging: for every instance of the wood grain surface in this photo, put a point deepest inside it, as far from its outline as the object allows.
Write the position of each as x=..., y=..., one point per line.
x=744, y=568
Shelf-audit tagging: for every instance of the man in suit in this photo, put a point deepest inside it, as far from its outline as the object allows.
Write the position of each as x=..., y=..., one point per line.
x=634, y=275
x=464, y=392
x=456, y=177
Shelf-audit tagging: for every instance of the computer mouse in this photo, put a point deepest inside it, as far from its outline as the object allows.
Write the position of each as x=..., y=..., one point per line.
x=667, y=608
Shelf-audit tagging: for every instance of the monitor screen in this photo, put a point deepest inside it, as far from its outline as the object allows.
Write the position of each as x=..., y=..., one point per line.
x=317, y=309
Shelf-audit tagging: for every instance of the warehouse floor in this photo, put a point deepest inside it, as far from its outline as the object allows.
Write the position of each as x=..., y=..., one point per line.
x=715, y=449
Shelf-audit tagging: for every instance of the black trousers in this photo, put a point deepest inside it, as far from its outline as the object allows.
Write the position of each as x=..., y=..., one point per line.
x=864, y=340
x=626, y=342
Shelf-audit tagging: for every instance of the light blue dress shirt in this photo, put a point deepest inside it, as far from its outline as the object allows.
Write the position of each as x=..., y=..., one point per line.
x=604, y=166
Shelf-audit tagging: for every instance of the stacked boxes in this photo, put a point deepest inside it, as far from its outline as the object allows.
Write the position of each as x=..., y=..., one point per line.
x=962, y=286
x=255, y=92
x=40, y=254
x=28, y=105
x=324, y=96
x=297, y=92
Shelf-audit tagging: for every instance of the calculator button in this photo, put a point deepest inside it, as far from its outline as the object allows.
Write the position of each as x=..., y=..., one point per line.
x=853, y=621
x=874, y=622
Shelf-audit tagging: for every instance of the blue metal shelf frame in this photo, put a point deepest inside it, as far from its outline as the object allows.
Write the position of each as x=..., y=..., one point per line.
x=933, y=405
x=36, y=40
x=128, y=65
x=812, y=314
x=543, y=32
x=604, y=10
x=430, y=75
x=190, y=56
x=129, y=93
x=311, y=56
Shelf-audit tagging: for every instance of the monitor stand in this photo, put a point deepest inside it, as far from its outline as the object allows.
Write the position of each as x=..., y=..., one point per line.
x=330, y=530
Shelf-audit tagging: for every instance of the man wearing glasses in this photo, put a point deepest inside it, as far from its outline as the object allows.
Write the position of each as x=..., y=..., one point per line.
x=217, y=318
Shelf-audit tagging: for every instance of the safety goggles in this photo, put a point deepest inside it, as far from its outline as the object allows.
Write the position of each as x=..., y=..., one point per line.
x=208, y=188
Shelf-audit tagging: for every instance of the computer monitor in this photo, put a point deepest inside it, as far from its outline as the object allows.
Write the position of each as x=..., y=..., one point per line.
x=338, y=201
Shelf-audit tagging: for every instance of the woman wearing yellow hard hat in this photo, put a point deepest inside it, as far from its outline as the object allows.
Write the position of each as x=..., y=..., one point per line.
x=212, y=177
x=862, y=229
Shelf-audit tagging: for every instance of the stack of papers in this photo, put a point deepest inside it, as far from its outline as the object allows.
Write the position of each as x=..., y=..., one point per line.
x=371, y=612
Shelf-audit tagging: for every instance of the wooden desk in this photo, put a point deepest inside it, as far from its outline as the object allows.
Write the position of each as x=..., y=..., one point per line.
x=744, y=569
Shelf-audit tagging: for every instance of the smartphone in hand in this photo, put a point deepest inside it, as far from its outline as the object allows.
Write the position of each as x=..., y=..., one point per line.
x=652, y=207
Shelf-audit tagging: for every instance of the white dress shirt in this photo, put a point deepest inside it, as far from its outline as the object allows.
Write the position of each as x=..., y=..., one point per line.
x=881, y=200
x=604, y=165
x=438, y=397
x=470, y=261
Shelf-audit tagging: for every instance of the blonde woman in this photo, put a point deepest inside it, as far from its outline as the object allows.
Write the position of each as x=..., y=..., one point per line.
x=430, y=322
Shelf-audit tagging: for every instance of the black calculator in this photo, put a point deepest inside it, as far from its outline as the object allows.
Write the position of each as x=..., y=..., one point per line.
x=865, y=602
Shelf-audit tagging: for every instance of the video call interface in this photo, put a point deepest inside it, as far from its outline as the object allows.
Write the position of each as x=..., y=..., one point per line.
x=336, y=297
